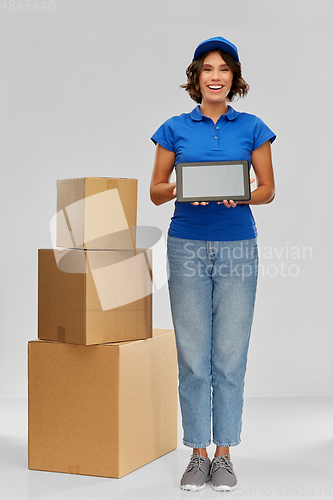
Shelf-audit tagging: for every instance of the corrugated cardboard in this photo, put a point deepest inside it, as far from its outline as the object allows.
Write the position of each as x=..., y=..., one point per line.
x=94, y=296
x=102, y=410
x=97, y=213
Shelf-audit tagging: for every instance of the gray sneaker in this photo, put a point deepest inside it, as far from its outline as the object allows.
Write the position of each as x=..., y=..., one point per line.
x=196, y=474
x=223, y=475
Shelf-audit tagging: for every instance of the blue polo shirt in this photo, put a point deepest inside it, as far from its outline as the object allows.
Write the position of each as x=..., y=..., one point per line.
x=194, y=137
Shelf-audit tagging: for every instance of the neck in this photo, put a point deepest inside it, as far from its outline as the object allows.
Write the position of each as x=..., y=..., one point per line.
x=214, y=110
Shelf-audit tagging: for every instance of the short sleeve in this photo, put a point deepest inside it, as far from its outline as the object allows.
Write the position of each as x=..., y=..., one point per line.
x=165, y=136
x=261, y=133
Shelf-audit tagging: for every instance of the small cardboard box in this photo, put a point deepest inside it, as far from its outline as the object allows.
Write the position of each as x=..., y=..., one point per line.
x=97, y=213
x=102, y=410
x=94, y=296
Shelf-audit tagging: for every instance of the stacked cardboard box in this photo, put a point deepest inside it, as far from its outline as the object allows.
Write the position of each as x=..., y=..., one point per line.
x=102, y=382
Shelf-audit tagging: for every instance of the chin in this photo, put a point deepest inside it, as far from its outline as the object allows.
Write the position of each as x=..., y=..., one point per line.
x=218, y=100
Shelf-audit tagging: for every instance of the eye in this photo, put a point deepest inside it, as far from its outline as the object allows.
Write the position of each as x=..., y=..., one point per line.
x=206, y=69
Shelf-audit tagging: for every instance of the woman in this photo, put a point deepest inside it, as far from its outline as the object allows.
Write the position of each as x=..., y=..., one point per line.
x=213, y=259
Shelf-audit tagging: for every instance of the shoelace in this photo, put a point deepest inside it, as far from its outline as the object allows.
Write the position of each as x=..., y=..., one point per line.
x=195, y=461
x=221, y=461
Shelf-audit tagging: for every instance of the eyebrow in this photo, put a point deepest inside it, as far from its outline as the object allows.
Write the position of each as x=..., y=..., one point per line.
x=206, y=64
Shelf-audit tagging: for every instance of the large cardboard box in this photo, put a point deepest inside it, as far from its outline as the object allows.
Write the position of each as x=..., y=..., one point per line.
x=97, y=213
x=102, y=410
x=94, y=296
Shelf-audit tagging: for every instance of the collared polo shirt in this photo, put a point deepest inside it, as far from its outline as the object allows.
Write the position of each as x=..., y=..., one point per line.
x=194, y=137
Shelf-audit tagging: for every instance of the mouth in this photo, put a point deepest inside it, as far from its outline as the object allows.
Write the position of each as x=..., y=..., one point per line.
x=215, y=87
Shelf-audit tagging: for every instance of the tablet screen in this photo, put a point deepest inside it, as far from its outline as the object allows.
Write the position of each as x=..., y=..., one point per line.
x=213, y=181
x=216, y=181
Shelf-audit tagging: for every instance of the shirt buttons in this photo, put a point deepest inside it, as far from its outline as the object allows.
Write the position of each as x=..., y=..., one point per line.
x=215, y=137
x=217, y=128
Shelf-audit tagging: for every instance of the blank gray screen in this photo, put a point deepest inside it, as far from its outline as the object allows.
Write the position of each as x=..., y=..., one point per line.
x=213, y=180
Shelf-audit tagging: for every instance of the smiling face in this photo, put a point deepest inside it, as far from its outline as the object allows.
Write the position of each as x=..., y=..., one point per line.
x=215, y=79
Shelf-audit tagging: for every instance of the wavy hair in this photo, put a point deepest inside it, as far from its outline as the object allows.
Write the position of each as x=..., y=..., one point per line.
x=239, y=86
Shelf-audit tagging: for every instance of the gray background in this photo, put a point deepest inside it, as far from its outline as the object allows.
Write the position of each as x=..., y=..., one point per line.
x=83, y=88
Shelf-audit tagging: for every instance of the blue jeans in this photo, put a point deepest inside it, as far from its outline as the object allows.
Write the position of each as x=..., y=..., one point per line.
x=212, y=287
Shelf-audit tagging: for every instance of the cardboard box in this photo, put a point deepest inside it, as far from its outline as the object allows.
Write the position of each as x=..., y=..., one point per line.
x=97, y=213
x=102, y=410
x=94, y=296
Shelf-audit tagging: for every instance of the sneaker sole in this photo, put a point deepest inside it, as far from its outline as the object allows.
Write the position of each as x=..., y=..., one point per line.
x=192, y=487
x=224, y=487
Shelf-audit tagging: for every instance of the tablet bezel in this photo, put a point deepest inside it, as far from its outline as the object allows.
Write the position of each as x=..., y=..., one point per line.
x=190, y=199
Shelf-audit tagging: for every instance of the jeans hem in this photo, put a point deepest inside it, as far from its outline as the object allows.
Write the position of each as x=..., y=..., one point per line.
x=194, y=445
x=226, y=445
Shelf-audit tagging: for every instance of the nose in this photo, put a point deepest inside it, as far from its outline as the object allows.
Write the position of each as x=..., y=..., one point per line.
x=215, y=75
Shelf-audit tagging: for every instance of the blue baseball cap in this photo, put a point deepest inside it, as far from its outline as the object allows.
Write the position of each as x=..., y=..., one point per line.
x=216, y=43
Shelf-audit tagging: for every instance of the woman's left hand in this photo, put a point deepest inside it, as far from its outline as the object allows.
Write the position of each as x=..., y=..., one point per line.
x=232, y=203
x=227, y=203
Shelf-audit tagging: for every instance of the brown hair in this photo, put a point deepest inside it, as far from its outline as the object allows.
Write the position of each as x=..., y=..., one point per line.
x=239, y=86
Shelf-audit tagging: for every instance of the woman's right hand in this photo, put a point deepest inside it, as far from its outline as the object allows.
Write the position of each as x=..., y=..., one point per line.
x=200, y=203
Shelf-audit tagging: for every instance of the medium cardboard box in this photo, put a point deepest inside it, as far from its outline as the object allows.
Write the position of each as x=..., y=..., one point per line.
x=102, y=410
x=94, y=296
x=97, y=213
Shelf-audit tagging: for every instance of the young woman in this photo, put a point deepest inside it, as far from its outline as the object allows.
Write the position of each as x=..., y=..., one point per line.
x=213, y=258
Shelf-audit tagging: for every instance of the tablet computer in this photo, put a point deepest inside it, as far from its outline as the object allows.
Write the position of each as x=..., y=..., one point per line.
x=213, y=181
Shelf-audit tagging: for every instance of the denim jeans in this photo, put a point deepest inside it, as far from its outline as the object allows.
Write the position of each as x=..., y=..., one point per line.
x=212, y=287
